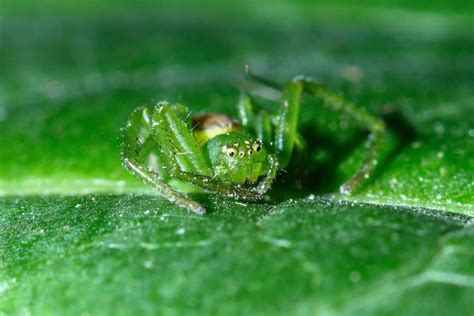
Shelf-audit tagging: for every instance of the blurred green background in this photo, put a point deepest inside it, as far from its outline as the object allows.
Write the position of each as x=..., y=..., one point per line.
x=79, y=235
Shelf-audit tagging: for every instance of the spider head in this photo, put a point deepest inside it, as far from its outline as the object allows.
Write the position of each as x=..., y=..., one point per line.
x=236, y=157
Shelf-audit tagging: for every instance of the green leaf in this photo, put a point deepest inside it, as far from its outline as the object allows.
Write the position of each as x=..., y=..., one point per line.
x=79, y=235
x=108, y=254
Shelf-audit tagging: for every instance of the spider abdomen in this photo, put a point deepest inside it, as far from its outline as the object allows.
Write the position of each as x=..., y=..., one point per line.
x=208, y=126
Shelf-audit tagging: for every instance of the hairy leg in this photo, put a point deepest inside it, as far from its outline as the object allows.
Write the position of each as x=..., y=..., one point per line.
x=333, y=101
x=255, y=118
x=285, y=136
x=211, y=185
x=232, y=190
x=136, y=146
x=373, y=124
x=176, y=140
x=264, y=185
x=287, y=122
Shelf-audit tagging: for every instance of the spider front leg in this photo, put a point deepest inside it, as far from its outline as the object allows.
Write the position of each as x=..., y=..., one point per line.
x=286, y=134
x=210, y=184
x=287, y=143
x=255, y=118
x=136, y=148
x=279, y=130
x=264, y=185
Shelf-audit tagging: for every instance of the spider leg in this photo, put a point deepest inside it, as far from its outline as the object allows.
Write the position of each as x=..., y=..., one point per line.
x=176, y=140
x=263, y=81
x=373, y=124
x=210, y=184
x=138, y=133
x=264, y=185
x=285, y=121
x=255, y=118
x=138, y=142
x=235, y=190
x=286, y=138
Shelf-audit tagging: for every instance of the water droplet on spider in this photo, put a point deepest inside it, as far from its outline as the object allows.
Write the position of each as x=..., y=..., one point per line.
x=146, y=212
x=440, y=155
x=78, y=205
x=311, y=197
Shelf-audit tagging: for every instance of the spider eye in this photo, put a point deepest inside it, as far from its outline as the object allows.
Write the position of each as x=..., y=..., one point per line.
x=257, y=147
x=250, y=152
x=241, y=153
x=230, y=152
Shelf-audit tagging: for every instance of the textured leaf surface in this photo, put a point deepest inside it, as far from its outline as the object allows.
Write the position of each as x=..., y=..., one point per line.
x=117, y=254
x=79, y=235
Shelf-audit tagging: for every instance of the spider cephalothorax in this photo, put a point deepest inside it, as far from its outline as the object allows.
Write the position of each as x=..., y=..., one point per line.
x=223, y=155
x=236, y=157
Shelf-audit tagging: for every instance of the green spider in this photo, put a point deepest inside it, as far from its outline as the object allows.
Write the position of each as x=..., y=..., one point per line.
x=166, y=147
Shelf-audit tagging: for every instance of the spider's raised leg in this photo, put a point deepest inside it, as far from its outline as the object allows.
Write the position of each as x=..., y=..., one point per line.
x=373, y=124
x=286, y=138
x=286, y=135
x=255, y=118
x=138, y=142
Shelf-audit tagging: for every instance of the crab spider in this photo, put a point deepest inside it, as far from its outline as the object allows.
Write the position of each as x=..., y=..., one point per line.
x=163, y=145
